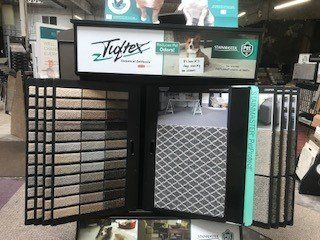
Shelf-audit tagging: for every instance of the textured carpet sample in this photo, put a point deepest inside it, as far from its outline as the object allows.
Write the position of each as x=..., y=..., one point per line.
x=190, y=169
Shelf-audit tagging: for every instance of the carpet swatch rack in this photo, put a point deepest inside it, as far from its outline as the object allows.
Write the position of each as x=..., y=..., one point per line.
x=276, y=157
x=78, y=150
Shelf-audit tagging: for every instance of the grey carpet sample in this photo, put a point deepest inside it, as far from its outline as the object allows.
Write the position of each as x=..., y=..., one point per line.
x=111, y=144
x=69, y=169
x=92, y=156
x=261, y=199
x=67, y=158
x=117, y=95
x=95, y=145
x=95, y=207
x=93, y=125
x=88, y=93
x=68, y=114
x=263, y=153
x=94, y=104
x=117, y=104
x=68, y=103
x=274, y=209
x=190, y=169
x=117, y=115
x=68, y=92
x=93, y=114
x=66, y=126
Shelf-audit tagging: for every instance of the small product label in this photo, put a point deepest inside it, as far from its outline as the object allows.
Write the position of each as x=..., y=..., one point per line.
x=168, y=47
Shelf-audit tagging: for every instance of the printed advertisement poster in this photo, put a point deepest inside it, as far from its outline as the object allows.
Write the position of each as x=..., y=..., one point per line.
x=47, y=51
x=136, y=11
x=222, y=57
x=171, y=53
x=206, y=230
x=215, y=13
x=116, y=50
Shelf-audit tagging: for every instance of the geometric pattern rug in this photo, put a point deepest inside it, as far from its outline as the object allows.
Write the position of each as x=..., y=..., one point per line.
x=190, y=169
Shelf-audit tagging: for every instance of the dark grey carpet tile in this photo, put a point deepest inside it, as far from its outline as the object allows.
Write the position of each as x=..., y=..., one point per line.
x=117, y=115
x=110, y=154
x=93, y=114
x=117, y=104
x=115, y=135
x=190, y=169
x=115, y=164
x=111, y=184
x=93, y=145
x=92, y=187
x=117, y=95
x=90, y=177
x=115, y=174
x=66, y=126
x=110, y=144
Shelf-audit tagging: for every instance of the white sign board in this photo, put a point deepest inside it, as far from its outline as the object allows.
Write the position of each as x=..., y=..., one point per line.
x=117, y=50
x=46, y=51
x=191, y=66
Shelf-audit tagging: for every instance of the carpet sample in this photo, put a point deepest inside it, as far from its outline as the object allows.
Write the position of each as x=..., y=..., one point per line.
x=69, y=92
x=88, y=93
x=190, y=169
x=263, y=153
x=117, y=95
x=261, y=199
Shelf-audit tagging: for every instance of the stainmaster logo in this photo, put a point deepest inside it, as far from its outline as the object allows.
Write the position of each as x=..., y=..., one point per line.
x=247, y=49
x=224, y=48
x=116, y=49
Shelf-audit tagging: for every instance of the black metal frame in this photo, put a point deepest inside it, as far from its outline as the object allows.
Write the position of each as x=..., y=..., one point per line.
x=237, y=140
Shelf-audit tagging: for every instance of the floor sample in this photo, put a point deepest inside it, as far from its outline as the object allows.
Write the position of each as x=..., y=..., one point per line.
x=190, y=169
x=12, y=224
x=8, y=187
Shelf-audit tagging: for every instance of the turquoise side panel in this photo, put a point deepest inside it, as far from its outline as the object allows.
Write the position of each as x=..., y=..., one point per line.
x=251, y=156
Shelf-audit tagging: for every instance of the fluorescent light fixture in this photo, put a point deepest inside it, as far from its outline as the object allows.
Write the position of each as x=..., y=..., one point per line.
x=290, y=4
x=78, y=17
x=241, y=14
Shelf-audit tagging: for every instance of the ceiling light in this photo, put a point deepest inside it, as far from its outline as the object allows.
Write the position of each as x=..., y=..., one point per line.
x=290, y=4
x=241, y=14
x=78, y=17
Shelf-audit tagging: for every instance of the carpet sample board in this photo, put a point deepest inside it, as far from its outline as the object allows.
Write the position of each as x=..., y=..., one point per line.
x=77, y=151
x=197, y=165
x=274, y=174
x=191, y=163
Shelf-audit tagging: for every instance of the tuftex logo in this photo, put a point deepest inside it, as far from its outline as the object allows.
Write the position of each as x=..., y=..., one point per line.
x=116, y=49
